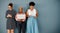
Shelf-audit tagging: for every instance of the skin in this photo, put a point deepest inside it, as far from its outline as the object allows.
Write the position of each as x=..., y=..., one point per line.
x=10, y=30
x=10, y=8
x=31, y=8
x=20, y=10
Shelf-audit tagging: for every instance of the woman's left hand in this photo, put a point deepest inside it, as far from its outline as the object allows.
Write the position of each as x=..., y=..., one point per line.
x=22, y=20
x=35, y=16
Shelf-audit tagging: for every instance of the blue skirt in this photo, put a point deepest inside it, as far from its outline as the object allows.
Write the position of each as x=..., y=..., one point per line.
x=32, y=26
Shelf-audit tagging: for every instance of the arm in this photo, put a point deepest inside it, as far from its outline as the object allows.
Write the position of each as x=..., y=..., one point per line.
x=14, y=14
x=6, y=14
x=36, y=14
x=17, y=18
x=27, y=14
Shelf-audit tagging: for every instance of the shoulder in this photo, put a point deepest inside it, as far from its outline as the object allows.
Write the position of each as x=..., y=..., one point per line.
x=14, y=10
x=17, y=13
x=28, y=10
x=7, y=11
x=24, y=13
x=35, y=10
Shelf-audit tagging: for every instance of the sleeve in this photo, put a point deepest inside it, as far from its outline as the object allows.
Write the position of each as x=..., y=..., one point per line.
x=6, y=14
x=14, y=13
x=16, y=17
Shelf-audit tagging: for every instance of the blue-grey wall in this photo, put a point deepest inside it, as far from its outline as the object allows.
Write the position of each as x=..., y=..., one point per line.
x=59, y=15
x=48, y=20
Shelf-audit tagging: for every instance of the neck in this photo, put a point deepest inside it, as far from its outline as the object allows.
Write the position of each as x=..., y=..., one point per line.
x=10, y=9
x=20, y=12
x=31, y=9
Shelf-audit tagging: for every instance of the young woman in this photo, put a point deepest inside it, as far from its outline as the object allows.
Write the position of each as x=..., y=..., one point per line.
x=32, y=14
x=20, y=18
x=10, y=15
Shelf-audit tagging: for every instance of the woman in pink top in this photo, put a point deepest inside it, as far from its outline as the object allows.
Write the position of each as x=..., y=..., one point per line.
x=20, y=18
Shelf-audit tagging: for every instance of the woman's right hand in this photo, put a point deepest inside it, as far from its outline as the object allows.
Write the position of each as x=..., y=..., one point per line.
x=35, y=16
x=9, y=15
x=18, y=20
x=23, y=20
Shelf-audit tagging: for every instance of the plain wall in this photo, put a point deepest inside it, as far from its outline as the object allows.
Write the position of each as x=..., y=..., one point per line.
x=48, y=19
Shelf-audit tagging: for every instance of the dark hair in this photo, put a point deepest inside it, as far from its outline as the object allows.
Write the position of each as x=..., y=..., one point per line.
x=31, y=4
x=10, y=4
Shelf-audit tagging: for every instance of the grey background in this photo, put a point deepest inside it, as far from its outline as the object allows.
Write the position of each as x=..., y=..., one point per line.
x=49, y=14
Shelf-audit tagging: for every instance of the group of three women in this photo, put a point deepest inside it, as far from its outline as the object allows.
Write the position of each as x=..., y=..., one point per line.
x=21, y=19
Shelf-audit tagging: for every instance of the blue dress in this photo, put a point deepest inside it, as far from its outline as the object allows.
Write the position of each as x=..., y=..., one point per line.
x=32, y=26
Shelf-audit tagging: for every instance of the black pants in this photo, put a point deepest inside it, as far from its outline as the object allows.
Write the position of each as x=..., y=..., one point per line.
x=21, y=27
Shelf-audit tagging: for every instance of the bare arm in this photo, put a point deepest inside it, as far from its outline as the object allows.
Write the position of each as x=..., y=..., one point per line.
x=36, y=13
x=26, y=14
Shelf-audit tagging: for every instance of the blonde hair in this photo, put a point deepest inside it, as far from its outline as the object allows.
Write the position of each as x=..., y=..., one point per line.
x=20, y=8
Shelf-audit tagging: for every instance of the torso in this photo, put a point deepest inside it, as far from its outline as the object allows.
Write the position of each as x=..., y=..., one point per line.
x=21, y=14
x=12, y=12
x=31, y=12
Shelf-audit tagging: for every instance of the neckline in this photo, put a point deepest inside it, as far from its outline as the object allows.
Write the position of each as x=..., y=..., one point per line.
x=31, y=10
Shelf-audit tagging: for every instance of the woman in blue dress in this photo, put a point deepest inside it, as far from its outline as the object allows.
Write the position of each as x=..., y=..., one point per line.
x=32, y=14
